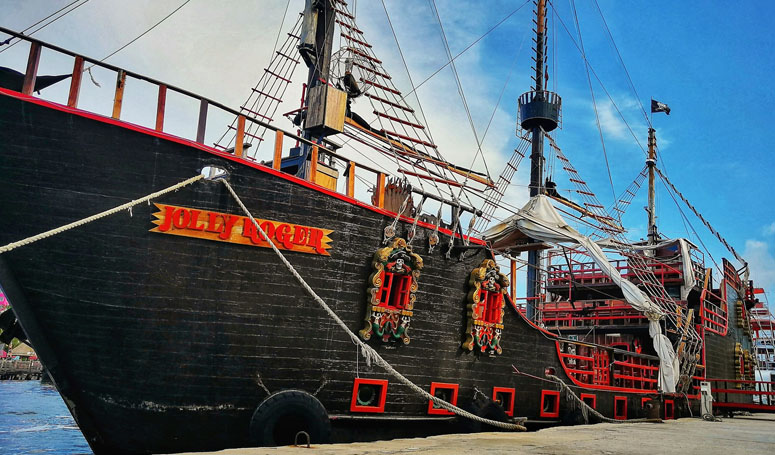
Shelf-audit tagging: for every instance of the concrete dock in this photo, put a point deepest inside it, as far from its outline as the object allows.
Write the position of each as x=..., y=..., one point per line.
x=753, y=434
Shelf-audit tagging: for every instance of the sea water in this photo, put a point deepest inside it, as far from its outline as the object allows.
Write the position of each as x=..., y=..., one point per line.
x=35, y=420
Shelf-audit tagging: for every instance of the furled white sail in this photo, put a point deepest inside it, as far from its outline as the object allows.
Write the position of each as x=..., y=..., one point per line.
x=539, y=220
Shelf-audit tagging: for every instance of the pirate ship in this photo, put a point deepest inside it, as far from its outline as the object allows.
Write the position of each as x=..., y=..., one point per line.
x=280, y=305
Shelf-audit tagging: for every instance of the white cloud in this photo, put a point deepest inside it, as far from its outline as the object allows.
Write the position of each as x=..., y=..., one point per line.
x=762, y=264
x=769, y=229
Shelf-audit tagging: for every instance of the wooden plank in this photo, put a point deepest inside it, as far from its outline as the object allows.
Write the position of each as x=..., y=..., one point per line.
x=313, y=164
x=32, y=69
x=75, y=83
x=513, y=276
x=379, y=191
x=200, y=129
x=239, y=141
x=119, y=96
x=351, y=179
x=160, y=106
x=278, y=150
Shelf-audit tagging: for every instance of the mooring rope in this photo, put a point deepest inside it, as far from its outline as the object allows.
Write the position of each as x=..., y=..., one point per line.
x=127, y=206
x=368, y=352
x=585, y=407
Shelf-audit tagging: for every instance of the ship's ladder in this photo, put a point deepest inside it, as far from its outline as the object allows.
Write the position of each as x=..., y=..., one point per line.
x=495, y=194
x=399, y=132
x=267, y=95
x=625, y=199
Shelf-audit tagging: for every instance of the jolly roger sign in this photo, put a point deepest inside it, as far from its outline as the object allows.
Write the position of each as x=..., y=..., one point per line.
x=225, y=227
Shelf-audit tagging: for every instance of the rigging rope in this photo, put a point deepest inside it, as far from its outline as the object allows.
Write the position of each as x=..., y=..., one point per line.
x=46, y=24
x=594, y=102
x=367, y=351
x=618, y=54
x=704, y=221
x=585, y=407
x=467, y=48
x=597, y=78
x=142, y=34
x=459, y=84
x=127, y=206
x=685, y=220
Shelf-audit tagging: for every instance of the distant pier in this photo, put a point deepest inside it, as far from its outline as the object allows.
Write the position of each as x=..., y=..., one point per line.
x=20, y=370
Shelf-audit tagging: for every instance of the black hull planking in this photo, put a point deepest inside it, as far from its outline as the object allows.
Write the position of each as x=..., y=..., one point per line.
x=157, y=342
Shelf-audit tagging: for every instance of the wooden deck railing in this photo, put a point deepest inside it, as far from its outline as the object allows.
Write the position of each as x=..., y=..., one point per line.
x=206, y=105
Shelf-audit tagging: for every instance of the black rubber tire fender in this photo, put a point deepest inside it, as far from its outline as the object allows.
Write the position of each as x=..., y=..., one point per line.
x=285, y=413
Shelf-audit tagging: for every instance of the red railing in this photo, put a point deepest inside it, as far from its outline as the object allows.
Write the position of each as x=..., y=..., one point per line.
x=521, y=302
x=589, y=273
x=714, y=317
x=761, y=392
x=601, y=367
x=565, y=315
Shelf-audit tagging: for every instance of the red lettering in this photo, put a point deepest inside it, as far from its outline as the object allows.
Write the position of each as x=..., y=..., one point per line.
x=283, y=235
x=165, y=225
x=268, y=227
x=316, y=239
x=195, y=220
x=228, y=225
x=249, y=230
x=211, y=218
x=180, y=218
x=300, y=235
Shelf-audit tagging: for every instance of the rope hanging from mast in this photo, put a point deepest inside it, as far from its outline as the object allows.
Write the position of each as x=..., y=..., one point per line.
x=699, y=215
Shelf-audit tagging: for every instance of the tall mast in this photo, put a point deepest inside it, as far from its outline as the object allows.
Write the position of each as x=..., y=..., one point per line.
x=539, y=112
x=651, y=163
x=317, y=38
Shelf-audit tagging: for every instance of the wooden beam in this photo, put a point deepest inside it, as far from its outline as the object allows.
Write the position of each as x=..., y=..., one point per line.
x=379, y=191
x=405, y=151
x=160, y=106
x=278, y=150
x=119, y=96
x=32, y=69
x=513, y=277
x=313, y=164
x=75, y=82
x=351, y=179
x=200, y=129
x=239, y=141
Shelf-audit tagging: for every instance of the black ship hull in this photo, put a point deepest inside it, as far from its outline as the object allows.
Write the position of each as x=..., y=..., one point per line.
x=163, y=343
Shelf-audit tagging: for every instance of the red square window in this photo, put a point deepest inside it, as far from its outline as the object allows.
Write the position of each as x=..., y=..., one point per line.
x=505, y=397
x=369, y=395
x=590, y=399
x=643, y=402
x=550, y=403
x=447, y=392
x=620, y=408
x=394, y=292
x=669, y=410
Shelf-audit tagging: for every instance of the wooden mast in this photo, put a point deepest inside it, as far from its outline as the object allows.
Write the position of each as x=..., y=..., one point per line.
x=651, y=162
x=536, y=157
x=316, y=49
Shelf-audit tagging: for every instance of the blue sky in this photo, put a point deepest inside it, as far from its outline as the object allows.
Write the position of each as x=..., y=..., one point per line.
x=710, y=62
